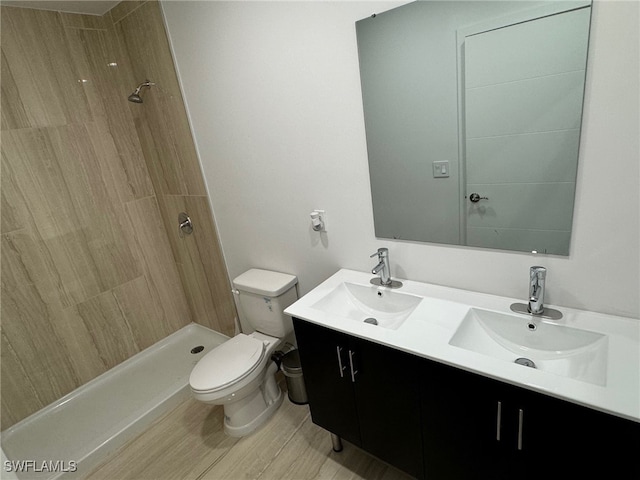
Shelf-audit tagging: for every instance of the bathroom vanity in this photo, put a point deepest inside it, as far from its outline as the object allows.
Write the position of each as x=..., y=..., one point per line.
x=433, y=389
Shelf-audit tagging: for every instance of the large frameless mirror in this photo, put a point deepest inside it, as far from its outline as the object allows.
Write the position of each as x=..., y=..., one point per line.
x=473, y=113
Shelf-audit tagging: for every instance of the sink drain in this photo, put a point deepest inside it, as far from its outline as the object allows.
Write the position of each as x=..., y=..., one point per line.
x=197, y=349
x=525, y=361
x=371, y=320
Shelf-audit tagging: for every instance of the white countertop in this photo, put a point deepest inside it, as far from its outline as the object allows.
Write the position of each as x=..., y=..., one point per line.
x=429, y=328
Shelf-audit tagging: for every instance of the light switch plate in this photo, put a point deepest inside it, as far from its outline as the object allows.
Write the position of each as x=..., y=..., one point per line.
x=441, y=169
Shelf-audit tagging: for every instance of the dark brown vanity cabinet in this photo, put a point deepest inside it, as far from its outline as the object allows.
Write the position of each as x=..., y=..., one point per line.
x=478, y=428
x=439, y=422
x=459, y=424
x=364, y=392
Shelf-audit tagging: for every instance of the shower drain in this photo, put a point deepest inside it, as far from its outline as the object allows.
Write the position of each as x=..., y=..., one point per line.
x=197, y=349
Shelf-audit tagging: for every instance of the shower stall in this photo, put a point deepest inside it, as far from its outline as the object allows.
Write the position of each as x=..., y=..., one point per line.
x=94, y=269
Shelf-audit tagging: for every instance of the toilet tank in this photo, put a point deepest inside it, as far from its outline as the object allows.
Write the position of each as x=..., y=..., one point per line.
x=262, y=296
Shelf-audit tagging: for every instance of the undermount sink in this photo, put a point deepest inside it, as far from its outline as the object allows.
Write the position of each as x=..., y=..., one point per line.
x=532, y=342
x=369, y=304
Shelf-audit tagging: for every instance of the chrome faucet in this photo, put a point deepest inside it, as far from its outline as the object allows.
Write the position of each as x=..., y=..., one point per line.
x=383, y=269
x=535, y=305
x=537, y=277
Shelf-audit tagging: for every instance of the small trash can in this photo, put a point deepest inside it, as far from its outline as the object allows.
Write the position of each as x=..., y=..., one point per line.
x=295, y=381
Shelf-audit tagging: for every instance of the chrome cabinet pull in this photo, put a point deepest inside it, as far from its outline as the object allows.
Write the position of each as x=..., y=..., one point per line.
x=520, y=425
x=353, y=371
x=340, y=366
x=498, y=421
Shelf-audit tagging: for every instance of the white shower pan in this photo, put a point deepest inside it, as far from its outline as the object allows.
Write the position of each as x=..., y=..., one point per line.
x=82, y=428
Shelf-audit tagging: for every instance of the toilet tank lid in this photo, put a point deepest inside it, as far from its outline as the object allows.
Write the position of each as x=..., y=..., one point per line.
x=264, y=282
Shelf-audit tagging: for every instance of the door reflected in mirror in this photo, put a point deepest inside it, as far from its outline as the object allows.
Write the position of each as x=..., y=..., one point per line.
x=473, y=113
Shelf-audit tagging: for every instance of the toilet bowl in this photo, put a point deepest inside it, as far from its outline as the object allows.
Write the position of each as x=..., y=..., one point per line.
x=239, y=374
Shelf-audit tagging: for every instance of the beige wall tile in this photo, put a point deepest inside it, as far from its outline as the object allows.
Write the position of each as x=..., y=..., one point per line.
x=26, y=254
x=15, y=263
x=25, y=261
x=157, y=149
x=182, y=139
x=143, y=36
x=147, y=229
x=175, y=168
x=78, y=343
x=94, y=53
x=15, y=383
x=27, y=325
x=14, y=114
x=31, y=158
x=124, y=8
x=121, y=162
x=59, y=174
x=100, y=219
x=167, y=143
x=90, y=60
x=94, y=22
x=109, y=330
x=200, y=262
x=40, y=64
x=13, y=208
x=145, y=318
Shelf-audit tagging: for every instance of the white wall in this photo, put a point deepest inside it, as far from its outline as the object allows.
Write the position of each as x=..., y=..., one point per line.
x=273, y=92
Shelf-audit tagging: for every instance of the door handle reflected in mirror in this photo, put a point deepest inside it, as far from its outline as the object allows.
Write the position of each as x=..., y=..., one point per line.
x=475, y=197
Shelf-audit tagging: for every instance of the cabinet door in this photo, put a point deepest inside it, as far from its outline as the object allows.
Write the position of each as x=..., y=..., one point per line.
x=564, y=440
x=465, y=423
x=324, y=358
x=387, y=398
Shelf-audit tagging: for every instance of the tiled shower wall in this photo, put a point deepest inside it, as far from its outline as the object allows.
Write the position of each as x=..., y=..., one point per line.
x=174, y=169
x=93, y=268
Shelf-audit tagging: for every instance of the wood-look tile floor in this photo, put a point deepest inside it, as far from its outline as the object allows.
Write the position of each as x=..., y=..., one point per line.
x=189, y=443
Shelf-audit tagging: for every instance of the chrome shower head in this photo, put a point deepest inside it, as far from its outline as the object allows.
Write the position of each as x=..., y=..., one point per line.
x=135, y=96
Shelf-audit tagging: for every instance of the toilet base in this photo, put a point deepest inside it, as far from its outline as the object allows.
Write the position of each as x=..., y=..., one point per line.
x=245, y=429
x=251, y=411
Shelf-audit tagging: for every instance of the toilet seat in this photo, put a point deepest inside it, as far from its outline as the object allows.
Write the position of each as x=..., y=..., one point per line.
x=227, y=364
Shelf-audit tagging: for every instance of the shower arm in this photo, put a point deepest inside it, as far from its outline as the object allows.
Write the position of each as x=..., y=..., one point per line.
x=146, y=83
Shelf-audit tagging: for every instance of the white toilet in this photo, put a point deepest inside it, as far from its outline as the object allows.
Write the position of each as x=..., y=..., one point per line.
x=239, y=374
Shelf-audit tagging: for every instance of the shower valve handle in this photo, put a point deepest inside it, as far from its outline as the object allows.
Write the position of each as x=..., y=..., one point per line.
x=185, y=226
